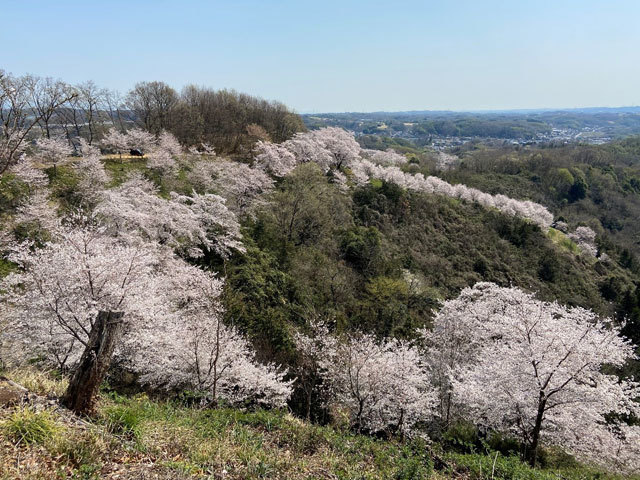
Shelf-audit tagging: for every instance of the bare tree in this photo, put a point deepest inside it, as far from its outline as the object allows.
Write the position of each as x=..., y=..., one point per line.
x=113, y=104
x=19, y=114
x=90, y=102
x=152, y=103
x=47, y=95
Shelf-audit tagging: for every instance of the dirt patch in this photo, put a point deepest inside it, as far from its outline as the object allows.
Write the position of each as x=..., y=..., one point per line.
x=10, y=393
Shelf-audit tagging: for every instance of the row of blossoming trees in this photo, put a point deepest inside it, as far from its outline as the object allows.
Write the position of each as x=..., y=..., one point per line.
x=117, y=280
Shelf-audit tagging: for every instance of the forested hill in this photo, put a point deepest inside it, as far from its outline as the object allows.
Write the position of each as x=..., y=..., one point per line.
x=382, y=257
x=597, y=186
x=433, y=308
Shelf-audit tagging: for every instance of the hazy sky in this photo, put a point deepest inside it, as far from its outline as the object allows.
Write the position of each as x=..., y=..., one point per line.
x=346, y=55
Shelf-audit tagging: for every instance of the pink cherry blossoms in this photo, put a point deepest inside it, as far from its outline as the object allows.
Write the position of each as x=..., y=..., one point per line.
x=334, y=149
x=380, y=385
x=533, y=369
x=191, y=348
x=242, y=186
x=187, y=223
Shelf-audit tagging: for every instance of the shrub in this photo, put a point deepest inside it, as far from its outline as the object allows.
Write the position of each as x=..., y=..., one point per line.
x=461, y=437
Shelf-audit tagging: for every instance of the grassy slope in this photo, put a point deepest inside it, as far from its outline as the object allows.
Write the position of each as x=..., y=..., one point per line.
x=135, y=437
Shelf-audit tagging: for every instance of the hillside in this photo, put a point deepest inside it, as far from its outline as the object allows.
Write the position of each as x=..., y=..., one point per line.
x=138, y=438
x=315, y=309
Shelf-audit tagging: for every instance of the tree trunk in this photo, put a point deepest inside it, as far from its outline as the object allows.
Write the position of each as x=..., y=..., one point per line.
x=309, y=400
x=535, y=435
x=94, y=363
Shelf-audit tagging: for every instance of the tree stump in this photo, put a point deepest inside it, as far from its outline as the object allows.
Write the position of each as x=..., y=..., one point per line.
x=105, y=334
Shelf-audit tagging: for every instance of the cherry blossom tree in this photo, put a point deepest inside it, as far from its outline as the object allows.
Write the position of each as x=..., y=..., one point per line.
x=52, y=151
x=86, y=149
x=585, y=237
x=161, y=160
x=189, y=224
x=12, y=146
x=194, y=349
x=36, y=214
x=68, y=302
x=382, y=385
x=336, y=151
x=534, y=369
x=219, y=224
x=87, y=297
x=169, y=143
x=274, y=158
x=39, y=214
x=140, y=139
x=202, y=149
x=446, y=161
x=25, y=170
x=384, y=157
x=341, y=146
x=92, y=175
x=163, y=153
x=201, y=176
x=363, y=170
x=132, y=139
x=330, y=148
x=116, y=140
x=242, y=186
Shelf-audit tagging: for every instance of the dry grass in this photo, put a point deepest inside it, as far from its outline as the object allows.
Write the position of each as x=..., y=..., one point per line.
x=115, y=156
x=43, y=383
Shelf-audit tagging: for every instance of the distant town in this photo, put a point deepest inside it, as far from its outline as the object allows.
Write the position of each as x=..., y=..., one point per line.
x=443, y=130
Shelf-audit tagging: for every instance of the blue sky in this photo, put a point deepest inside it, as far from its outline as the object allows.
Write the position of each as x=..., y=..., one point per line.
x=349, y=55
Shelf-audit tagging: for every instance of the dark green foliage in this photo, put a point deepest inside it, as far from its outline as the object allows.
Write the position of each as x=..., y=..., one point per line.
x=597, y=185
x=461, y=437
x=629, y=311
x=380, y=260
x=31, y=231
x=360, y=247
x=6, y=267
x=259, y=298
x=547, y=270
x=12, y=192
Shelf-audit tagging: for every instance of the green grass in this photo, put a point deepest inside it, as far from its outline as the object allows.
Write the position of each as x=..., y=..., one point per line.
x=6, y=267
x=136, y=435
x=26, y=426
x=494, y=466
x=120, y=170
x=563, y=241
x=260, y=444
